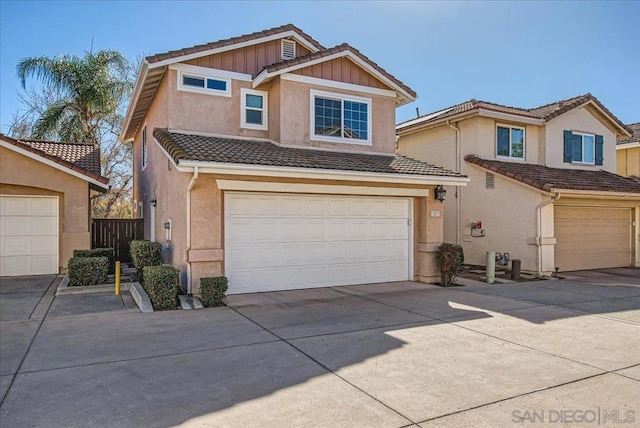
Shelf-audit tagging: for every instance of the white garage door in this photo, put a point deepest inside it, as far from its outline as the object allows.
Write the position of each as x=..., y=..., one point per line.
x=592, y=238
x=289, y=241
x=28, y=235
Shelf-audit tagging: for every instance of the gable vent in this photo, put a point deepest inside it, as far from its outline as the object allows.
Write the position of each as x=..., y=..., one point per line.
x=490, y=183
x=288, y=49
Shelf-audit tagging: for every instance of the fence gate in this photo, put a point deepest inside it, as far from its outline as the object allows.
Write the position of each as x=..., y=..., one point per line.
x=116, y=233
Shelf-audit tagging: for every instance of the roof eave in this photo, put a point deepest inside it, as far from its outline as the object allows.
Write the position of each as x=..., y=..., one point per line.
x=597, y=194
x=184, y=165
x=125, y=135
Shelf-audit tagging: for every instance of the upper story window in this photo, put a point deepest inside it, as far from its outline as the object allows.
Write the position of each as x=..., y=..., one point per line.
x=193, y=82
x=585, y=148
x=253, y=107
x=288, y=49
x=144, y=147
x=510, y=142
x=340, y=118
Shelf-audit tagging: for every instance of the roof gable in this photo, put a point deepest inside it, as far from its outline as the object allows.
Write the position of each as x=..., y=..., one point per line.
x=77, y=159
x=635, y=136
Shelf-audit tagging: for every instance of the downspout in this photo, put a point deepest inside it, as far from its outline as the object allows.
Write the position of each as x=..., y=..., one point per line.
x=192, y=183
x=458, y=195
x=539, y=228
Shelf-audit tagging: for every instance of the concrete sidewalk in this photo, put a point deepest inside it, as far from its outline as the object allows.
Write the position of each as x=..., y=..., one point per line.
x=397, y=354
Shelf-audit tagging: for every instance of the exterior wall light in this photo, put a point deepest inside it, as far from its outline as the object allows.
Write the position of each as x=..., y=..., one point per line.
x=440, y=194
x=154, y=202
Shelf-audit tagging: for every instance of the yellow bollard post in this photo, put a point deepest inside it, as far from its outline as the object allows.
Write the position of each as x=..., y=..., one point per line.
x=117, y=278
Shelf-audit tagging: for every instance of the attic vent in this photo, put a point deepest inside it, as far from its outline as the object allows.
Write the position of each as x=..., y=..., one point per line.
x=490, y=184
x=288, y=49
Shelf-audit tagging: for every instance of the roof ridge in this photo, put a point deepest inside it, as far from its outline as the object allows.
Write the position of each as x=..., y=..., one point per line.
x=588, y=94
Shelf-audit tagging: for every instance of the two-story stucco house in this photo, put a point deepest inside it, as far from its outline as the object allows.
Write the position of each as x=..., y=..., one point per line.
x=628, y=152
x=543, y=182
x=271, y=160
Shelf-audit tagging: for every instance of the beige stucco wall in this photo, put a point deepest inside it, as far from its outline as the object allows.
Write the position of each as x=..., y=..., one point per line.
x=628, y=161
x=20, y=175
x=578, y=120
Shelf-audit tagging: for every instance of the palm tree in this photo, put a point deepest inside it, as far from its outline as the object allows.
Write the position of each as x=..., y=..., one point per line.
x=90, y=92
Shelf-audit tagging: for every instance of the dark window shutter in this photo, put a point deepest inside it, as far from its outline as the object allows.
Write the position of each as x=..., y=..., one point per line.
x=568, y=146
x=599, y=149
x=503, y=142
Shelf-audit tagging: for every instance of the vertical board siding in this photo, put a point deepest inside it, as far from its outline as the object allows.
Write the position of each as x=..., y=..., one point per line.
x=342, y=70
x=116, y=234
x=249, y=60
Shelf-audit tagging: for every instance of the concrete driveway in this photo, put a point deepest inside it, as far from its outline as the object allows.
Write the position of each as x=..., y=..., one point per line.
x=397, y=354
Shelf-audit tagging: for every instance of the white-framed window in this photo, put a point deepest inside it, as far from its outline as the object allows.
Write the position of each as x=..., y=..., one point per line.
x=204, y=84
x=144, y=147
x=340, y=118
x=287, y=49
x=510, y=141
x=254, y=109
x=585, y=152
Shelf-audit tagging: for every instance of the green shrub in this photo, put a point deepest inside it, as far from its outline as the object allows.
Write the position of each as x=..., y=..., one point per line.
x=449, y=259
x=88, y=270
x=145, y=253
x=109, y=253
x=161, y=284
x=213, y=291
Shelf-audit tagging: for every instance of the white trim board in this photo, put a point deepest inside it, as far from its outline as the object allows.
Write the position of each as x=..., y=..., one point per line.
x=337, y=85
x=328, y=189
x=53, y=164
x=211, y=72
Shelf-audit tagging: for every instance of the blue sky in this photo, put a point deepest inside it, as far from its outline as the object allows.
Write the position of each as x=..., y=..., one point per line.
x=515, y=53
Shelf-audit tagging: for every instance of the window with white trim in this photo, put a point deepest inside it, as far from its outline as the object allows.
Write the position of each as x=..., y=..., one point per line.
x=340, y=118
x=204, y=84
x=253, y=109
x=586, y=151
x=510, y=141
x=144, y=147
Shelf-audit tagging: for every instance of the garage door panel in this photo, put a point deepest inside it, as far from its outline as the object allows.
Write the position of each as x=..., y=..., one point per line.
x=592, y=238
x=298, y=241
x=28, y=235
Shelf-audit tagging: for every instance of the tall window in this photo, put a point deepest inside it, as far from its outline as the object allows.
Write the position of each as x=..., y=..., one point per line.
x=340, y=118
x=144, y=147
x=254, y=109
x=510, y=142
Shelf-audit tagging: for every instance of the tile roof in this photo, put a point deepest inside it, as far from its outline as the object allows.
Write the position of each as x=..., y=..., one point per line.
x=553, y=179
x=233, y=40
x=265, y=153
x=635, y=137
x=330, y=51
x=80, y=157
x=545, y=112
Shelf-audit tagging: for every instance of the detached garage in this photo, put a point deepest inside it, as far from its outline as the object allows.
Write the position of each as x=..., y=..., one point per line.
x=45, y=190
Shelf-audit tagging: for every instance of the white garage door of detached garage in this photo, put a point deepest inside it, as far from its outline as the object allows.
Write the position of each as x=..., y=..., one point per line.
x=28, y=235
x=291, y=241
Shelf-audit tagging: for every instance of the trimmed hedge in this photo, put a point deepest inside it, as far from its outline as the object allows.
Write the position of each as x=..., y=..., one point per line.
x=109, y=253
x=449, y=259
x=213, y=290
x=145, y=253
x=161, y=284
x=88, y=271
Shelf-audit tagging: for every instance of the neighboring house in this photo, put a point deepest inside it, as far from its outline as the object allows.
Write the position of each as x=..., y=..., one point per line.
x=45, y=210
x=543, y=185
x=628, y=153
x=270, y=159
